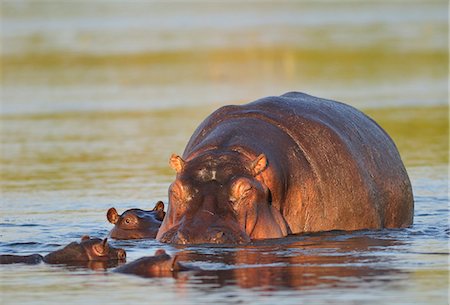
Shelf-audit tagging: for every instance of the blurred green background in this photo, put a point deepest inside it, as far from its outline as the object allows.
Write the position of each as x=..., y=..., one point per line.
x=113, y=55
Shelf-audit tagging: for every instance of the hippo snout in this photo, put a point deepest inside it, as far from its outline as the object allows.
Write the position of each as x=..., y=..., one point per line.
x=221, y=236
x=180, y=238
x=121, y=254
x=210, y=236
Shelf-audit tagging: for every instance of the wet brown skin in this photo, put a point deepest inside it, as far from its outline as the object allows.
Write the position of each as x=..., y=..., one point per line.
x=32, y=259
x=159, y=265
x=285, y=165
x=87, y=250
x=136, y=223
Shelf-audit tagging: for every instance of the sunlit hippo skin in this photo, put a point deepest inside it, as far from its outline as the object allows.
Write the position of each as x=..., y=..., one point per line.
x=87, y=250
x=136, y=223
x=285, y=165
x=159, y=265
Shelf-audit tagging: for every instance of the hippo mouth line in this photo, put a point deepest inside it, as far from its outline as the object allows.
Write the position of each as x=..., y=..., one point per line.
x=128, y=233
x=216, y=235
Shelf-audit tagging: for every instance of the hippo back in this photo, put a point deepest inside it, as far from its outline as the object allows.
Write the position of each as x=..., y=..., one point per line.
x=331, y=167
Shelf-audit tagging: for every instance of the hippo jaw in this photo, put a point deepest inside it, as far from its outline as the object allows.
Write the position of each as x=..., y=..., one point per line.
x=217, y=199
x=123, y=233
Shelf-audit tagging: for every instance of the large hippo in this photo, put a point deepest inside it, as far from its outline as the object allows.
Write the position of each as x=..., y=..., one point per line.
x=285, y=165
x=87, y=250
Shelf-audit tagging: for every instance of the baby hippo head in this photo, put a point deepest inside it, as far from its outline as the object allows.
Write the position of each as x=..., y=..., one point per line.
x=89, y=249
x=159, y=265
x=136, y=223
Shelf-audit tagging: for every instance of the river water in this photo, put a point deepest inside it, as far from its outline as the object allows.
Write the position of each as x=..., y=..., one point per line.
x=97, y=95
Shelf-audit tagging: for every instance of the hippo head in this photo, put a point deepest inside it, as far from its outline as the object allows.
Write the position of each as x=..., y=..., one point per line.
x=218, y=198
x=89, y=249
x=159, y=265
x=100, y=250
x=136, y=223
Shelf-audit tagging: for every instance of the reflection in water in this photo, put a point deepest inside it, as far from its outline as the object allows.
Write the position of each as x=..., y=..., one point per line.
x=93, y=265
x=333, y=259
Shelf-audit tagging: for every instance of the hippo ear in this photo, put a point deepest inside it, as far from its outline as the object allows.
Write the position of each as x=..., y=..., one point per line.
x=160, y=252
x=112, y=216
x=101, y=248
x=104, y=246
x=177, y=163
x=259, y=164
x=159, y=206
x=175, y=265
x=85, y=237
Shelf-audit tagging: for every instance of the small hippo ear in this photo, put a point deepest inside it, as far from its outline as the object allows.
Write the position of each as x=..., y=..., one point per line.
x=112, y=216
x=102, y=248
x=105, y=243
x=85, y=237
x=175, y=265
x=159, y=206
x=160, y=252
x=177, y=163
x=259, y=164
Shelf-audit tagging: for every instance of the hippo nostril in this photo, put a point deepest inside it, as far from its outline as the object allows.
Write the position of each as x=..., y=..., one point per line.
x=218, y=237
x=121, y=254
x=181, y=238
x=243, y=239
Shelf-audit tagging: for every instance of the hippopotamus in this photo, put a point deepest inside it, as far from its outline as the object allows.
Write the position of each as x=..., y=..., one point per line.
x=159, y=265
x=87, y=250
x=136, y=223
x=282, y=165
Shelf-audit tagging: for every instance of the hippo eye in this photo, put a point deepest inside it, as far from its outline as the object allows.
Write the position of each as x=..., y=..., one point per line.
x=236, y=197
x=246, y=192
x=176, y=190
x=240, y=189
x=130, y=220
x=180, y=193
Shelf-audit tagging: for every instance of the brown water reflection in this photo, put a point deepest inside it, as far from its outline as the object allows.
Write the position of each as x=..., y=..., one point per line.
x=92, y=265
x=297, y=262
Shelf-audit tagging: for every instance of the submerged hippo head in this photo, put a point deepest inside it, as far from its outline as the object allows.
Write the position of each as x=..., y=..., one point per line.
x=89, y=249
x=218, y=198
x=159, y=265
x=136, y=223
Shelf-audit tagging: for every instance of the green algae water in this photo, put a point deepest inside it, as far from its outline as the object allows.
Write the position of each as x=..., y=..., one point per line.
x=95, y=97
